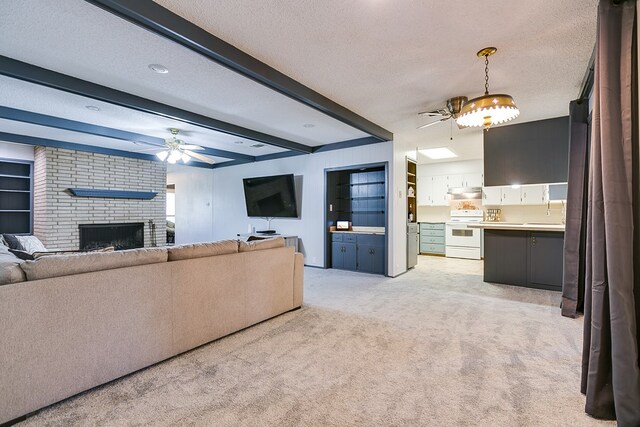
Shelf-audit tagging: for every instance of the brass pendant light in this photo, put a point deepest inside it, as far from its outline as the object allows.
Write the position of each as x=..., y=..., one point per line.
x=489, y=109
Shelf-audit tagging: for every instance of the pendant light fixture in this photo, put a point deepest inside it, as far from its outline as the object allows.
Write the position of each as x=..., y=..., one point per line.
x=489, y=109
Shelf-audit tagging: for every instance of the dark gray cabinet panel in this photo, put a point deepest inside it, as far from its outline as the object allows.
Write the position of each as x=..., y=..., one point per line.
x=545, y=259
x=524, y=258
x=371, y=253
x=343, y=255
x=527, y=153
x=358, y=252
x=505, y=257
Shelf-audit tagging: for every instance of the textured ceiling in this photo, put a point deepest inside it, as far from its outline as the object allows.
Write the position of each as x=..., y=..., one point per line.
x=385, y=60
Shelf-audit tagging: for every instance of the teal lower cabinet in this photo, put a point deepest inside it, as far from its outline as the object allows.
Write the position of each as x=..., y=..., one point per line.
x=358, y=252
x=432, y=238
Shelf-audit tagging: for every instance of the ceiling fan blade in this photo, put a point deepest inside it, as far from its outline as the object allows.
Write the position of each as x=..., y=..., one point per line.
x=158, y=148
x=191, y=147
x=200, y=157
x=438, y=112
x=433, y=123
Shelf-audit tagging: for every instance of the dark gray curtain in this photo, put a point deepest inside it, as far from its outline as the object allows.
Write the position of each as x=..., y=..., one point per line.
x=611, y=370
x=576, y=222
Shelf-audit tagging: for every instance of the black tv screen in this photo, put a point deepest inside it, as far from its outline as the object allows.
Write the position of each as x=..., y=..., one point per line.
x=270, y=196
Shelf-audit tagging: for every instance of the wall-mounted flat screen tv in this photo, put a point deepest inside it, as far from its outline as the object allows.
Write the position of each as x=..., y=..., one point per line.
x=270, y=196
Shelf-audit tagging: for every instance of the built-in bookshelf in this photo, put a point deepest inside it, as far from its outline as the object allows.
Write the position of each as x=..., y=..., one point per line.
x=16, y=196
x=412, y=191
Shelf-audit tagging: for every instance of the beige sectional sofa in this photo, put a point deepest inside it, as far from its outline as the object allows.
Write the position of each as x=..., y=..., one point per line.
x=81, y=320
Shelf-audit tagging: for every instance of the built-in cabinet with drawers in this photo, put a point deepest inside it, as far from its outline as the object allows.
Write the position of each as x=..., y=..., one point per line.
x=358, y=252
x=16, y=197
x=432, y=238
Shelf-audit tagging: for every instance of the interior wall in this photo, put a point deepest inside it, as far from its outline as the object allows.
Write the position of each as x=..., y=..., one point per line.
x=9, y=150
x=229, y=209
x=451, y=168
x=194, y=203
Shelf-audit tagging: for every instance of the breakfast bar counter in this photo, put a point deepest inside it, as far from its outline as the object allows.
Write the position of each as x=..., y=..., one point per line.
x=525, y=254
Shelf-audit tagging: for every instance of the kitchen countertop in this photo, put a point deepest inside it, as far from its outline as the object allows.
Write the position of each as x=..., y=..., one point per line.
x=529, y=226
x=362, y=230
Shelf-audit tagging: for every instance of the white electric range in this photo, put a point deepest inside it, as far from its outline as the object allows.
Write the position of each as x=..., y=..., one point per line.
x=461, y=241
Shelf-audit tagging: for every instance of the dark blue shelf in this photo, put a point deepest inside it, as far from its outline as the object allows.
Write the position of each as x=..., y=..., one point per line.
x=112, y=194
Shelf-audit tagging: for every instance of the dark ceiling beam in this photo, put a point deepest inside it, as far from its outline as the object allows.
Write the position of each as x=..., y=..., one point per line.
x=33, y=74
x=91, y=129
x=154, y=17
x=346, y=144
x=45, y=142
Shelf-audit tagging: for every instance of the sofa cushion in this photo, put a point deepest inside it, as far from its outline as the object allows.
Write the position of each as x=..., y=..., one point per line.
x=201, y=250
x=275, y=242
x=31, y=244
x=11, y=241
x=68, y=264
x=10, y=271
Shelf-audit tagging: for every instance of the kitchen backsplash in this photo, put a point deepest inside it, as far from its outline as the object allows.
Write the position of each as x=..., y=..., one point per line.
x=519, y=214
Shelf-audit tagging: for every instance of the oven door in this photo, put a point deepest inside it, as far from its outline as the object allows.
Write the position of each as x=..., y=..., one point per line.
x=459, y=235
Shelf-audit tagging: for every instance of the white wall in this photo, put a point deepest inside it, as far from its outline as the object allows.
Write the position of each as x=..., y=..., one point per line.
x=194, y=203
x=9, y=150
x=229, y=207
x=451, y=168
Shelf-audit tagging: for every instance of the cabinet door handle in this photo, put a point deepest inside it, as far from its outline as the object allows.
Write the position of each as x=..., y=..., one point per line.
x=533, y=241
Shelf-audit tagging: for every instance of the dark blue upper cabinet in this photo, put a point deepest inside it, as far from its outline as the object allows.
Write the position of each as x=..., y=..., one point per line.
x=527, y=153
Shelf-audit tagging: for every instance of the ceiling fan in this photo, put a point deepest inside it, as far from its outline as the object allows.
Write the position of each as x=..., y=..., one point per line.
x=451, y=111
x=175, y=149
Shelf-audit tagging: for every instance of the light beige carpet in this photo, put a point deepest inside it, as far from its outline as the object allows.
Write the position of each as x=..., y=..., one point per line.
x=435, y=346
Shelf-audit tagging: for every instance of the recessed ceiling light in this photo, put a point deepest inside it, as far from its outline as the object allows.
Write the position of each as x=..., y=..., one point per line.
x=309, y=125
x=92, y=107
x=438, y=153
x=158, y=68
x=238, y=142
x=257, y=146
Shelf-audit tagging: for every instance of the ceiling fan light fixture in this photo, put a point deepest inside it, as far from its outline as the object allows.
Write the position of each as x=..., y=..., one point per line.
x=162, y=155
x=185, y=158
x=489, y=109
x=174, y=156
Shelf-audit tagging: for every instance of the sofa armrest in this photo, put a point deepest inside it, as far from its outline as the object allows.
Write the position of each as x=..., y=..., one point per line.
x=298, y=279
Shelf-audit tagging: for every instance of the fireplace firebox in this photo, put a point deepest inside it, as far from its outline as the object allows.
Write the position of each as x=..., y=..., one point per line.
x=120, y=236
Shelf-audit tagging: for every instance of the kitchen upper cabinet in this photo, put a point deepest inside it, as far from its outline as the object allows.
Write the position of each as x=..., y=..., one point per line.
x=440, y=190
x=492, y=196
x=534, y=194
x=527, y=153
x=465, y=180
x=425, y=190
x=474, y=180
x=511, y=196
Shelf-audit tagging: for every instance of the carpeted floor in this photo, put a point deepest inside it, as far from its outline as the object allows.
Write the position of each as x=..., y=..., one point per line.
x=435, y=346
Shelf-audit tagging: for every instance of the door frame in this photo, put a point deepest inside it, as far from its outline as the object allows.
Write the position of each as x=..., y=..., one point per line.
x=327, y=235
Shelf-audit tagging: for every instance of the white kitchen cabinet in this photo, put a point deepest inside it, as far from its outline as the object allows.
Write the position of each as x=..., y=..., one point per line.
x=534, y=194
x=492, y=196
x=425, y=191
x=455, y=181
x=465, y=180
x=440, y=190
x=473, y=179
x=511, y=196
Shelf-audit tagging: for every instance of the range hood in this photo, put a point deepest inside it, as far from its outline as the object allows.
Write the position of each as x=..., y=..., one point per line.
x=465, y=193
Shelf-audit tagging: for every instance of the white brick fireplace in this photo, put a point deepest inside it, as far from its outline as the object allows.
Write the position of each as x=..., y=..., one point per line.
x=58, y=214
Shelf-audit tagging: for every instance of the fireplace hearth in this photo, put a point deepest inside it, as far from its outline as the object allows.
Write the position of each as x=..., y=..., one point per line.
x=120, y=236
